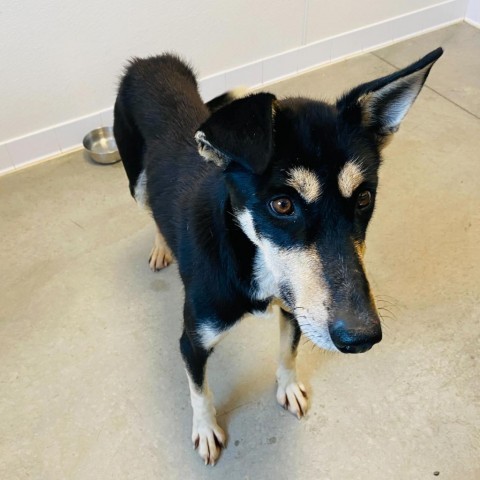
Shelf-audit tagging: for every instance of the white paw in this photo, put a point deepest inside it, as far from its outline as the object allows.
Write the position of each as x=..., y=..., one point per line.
x=291, y=395
x=160, y=257
x=208, y=439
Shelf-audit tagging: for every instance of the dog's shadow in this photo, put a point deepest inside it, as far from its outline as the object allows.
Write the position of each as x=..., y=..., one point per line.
x=242, y=370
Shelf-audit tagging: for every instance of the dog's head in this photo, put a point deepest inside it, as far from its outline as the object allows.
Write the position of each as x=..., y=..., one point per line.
x=302, y=177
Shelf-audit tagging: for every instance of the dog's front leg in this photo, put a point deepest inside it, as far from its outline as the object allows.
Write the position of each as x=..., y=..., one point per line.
x=207, y=436
x=291, y=394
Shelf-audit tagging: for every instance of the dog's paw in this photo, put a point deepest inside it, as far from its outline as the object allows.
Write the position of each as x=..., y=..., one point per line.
x=160, y=257
x=293, y=398
x=291, y=394
x=208, y=440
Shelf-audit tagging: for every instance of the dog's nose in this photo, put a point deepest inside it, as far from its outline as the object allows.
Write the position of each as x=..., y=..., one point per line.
x=355, y=339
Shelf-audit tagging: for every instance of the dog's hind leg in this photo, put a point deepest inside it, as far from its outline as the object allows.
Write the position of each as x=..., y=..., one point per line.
x=161, y=256
x=291, y=394
x=131, y=147
x=207, y=437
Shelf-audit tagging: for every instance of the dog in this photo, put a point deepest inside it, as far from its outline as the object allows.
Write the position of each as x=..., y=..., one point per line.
x=260, y=200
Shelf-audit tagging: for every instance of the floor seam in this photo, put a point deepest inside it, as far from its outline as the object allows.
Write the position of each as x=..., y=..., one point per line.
x=430, y=88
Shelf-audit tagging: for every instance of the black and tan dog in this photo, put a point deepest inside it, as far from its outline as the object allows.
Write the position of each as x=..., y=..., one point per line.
x=260, y=199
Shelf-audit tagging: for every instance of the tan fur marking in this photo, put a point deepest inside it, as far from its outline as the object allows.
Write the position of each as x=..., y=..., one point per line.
x=305, y=182
x=350, y=177
x=360, y=249
x=161, y=256
x=291, y=394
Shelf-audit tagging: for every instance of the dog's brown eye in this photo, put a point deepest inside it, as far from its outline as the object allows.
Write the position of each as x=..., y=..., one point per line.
x=364, y=199
x=282, y=206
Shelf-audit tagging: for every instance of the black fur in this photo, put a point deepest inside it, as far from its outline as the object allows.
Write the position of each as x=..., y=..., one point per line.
x=253, y=142
x=188, y=197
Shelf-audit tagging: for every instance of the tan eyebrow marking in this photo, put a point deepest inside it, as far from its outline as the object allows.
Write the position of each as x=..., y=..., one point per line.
x=350, y=177
x=305, y=182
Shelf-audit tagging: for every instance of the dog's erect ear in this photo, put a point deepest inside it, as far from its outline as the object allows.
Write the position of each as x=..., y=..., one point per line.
x=240, y=132
x=382, y=104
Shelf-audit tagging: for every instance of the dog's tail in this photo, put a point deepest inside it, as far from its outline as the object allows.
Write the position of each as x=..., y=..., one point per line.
x=130, y=143
x=226, y=98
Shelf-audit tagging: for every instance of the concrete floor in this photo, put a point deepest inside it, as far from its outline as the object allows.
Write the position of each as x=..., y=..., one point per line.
x=92, y=383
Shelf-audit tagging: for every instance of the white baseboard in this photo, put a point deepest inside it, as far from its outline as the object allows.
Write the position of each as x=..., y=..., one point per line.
x=55, y=140
x=473, y=23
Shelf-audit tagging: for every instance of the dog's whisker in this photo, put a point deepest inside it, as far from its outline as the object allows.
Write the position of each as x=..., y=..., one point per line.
x=387, y=302
x=383, y=316
x=386, y=295
x=384, y=300
x=387, y=310
x=390, y=317
x=382, y=303
x=387, y=299
x=384, y=322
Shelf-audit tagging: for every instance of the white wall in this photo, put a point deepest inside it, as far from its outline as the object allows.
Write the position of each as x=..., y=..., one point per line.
x=473, y=12
x=331, y=17
x=64, y=57
x=61, y=59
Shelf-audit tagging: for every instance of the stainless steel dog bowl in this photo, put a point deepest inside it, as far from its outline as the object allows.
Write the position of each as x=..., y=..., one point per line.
x=100, y=145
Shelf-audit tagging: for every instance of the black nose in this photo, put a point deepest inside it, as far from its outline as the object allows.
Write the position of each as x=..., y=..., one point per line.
x=355, y=339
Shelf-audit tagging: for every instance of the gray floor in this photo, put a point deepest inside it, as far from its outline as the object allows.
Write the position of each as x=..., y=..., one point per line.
x=92, y=384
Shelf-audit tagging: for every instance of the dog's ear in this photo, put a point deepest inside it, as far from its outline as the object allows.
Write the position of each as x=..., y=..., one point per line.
x=381, y=105
x=240, y=132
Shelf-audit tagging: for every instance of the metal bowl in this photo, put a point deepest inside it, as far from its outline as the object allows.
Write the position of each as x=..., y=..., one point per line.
x=100, y=145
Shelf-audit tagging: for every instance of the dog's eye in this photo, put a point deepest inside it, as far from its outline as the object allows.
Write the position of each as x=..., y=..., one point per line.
x=282, y=206
x=364, y=199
